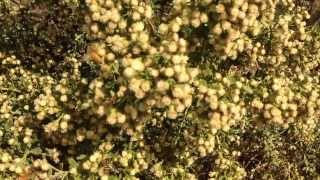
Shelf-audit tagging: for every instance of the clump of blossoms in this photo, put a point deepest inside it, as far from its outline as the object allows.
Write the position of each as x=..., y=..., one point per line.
x=167, y=91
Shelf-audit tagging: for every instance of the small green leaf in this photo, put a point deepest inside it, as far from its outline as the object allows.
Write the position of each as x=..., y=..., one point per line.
x=81, y=157
x=36, y=151
x=72, y=163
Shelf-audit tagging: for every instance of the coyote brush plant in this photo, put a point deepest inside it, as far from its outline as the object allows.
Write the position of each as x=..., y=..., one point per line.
x=153, y=89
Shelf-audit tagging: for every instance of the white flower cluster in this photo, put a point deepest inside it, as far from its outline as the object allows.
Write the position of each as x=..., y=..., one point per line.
x=237, y=21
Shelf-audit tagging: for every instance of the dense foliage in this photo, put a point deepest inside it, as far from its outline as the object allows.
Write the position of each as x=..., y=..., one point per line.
x=156, y=89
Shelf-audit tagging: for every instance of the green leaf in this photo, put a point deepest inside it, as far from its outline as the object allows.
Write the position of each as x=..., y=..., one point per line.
x=36, y=151
x=72, y=163
x=81, y=157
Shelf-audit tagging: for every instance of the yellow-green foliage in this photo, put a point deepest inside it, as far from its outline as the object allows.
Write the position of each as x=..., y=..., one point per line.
x=153, y=89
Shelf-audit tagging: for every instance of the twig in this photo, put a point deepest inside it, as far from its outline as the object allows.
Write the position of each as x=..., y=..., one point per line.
x=7, y=89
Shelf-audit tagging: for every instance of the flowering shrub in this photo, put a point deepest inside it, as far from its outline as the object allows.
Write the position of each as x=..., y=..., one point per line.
x=153, y=89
